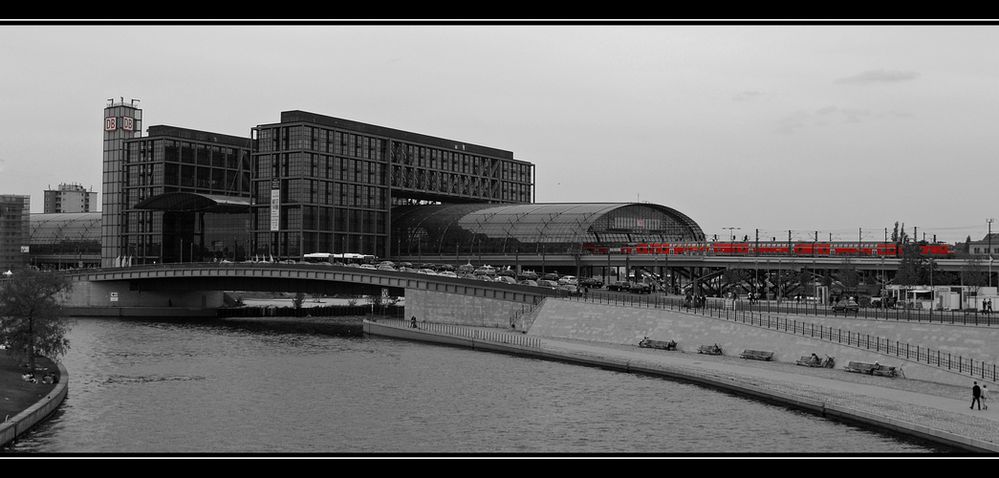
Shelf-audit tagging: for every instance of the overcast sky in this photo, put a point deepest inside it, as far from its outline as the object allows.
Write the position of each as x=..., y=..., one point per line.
x=829, y=128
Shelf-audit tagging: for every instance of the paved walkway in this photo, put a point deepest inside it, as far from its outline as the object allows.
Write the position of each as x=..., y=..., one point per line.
x=937, y=406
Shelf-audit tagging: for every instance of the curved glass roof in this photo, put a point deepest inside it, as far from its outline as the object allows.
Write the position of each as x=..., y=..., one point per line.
x=55, y=228
x=501, y=228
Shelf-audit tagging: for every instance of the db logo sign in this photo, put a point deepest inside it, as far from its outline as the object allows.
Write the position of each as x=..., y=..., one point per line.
x=110, y=124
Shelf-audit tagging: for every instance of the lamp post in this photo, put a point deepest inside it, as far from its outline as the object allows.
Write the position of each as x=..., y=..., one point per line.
x=989, y=238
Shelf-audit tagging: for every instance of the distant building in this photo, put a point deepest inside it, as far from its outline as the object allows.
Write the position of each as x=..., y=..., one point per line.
x=65, y=240
x=69, y=198
x=981, y=248
x=15, y=224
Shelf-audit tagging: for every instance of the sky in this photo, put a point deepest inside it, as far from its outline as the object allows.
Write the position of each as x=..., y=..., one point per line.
x=834, y=129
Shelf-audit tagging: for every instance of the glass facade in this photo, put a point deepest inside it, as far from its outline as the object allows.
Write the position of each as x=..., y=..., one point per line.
x=65, y=240
x=173, y=160
x=558, y=228
x=325, y=184
x=121, y=121
x=14, y=231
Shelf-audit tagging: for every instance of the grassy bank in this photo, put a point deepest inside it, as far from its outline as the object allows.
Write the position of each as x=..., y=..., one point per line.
x=16, y=395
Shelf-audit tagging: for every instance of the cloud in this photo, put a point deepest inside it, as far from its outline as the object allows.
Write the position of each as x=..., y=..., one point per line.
x=878, y=76
x=746, y=95
x=824, y=116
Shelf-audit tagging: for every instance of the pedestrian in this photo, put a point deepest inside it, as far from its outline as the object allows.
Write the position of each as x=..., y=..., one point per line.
x=976, y=396
x=412, y=321
x=985, y=397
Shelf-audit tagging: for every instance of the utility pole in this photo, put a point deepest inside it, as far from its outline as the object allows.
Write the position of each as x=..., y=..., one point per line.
x=731, y=233
x=989, y=237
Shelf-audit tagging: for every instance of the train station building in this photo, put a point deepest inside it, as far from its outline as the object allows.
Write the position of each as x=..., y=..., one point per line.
x=317, y=183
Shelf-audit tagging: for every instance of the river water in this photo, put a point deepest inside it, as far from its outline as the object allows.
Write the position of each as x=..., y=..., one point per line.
x=149, y=387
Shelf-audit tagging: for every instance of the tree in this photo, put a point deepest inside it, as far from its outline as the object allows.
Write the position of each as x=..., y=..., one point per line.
x=914, y=268
x=298, y=300
x=31, y=319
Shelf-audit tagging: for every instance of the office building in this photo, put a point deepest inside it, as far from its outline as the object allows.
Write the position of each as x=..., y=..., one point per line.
x=69, y=198
x=15, y=224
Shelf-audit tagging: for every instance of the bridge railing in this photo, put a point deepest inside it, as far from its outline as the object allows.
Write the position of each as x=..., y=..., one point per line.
x=765, y=318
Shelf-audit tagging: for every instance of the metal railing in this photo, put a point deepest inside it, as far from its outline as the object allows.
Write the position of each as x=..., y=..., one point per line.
x=482, y=335
x=717, y=308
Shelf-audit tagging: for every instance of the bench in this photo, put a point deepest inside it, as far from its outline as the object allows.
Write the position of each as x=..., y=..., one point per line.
x=709, y=349
x=757, y=355
x=810, y=361
x=657, y=344
x=871, y=369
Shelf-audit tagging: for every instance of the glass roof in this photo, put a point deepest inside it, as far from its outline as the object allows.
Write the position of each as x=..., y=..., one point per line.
x=65, y=227
x=544, y=222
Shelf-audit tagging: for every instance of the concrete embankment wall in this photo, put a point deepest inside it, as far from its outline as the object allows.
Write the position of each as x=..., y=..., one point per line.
x=628, y=325
x=100, y=294
x=442, y=307
x=24, y=421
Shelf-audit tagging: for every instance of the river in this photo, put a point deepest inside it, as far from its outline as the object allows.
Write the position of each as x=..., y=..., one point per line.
x=152, y=386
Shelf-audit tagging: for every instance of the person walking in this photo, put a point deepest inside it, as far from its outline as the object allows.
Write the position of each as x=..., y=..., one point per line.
x=985, y=397
x=976, y=396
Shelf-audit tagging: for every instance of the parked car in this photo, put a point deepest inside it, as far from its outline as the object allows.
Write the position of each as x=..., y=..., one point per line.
x=641, y=288
x=547, y=283
x=571, y=280
x=619, y=286
x=528, y=275
x=506, y=280
x=591, y=282
x=848, y=305
x=552, y=276
x=528, y=282
x=448, y=274
x=569, y=289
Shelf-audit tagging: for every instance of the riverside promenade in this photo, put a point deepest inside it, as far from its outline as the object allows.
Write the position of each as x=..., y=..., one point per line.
x=937, y=412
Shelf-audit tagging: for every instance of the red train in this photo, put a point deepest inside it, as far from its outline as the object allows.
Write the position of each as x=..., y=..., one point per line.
x=833, y=249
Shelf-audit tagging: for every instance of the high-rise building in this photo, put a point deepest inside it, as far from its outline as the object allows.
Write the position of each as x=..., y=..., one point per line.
x=69, y=198
x=121, y=121
x=15, y=230
x=325, y=184
x=187, y=196
x=310, y=183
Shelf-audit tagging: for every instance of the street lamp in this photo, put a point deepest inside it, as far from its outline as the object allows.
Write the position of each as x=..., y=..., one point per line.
x=989, y=238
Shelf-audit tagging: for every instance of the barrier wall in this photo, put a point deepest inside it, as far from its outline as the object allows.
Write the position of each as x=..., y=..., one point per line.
x=628, y=325
x=117, y=294
x=449, y=308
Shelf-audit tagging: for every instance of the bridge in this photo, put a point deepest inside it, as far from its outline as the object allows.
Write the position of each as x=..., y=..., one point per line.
x=200, y=285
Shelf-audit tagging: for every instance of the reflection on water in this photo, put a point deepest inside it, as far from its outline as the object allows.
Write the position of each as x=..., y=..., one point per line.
x=154, y=386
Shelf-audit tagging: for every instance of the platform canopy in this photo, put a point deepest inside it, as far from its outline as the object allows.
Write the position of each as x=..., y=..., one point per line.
x=195, y=202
